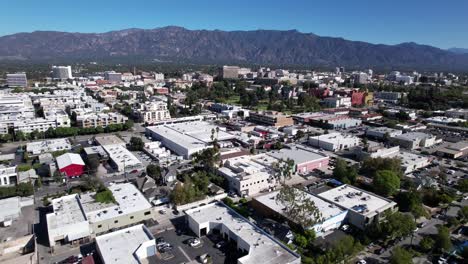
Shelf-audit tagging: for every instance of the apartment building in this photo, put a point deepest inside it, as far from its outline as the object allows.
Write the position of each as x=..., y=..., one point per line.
x=151, y=112
x=17, y=80
x=8, y=175
x=100, y=120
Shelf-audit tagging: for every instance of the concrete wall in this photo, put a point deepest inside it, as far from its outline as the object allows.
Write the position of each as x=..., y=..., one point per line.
x=121, y=221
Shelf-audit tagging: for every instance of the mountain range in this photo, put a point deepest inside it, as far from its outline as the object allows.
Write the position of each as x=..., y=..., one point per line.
x=262, y=47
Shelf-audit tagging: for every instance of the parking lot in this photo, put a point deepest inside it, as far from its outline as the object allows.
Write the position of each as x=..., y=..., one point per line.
x=182, y=252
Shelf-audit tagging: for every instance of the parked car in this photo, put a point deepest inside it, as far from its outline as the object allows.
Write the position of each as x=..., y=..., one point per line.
x=195, y=242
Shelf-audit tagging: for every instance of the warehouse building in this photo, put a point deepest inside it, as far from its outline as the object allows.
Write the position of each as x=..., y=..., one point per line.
x=411, y=162
x=78, y=218
x=334, y=141
x=363, y=207
x=122, y=159
x=257, y=246
x=50, y=145
x=382, y=132
x=188, y=138
x=331, y=219
x=132, y=245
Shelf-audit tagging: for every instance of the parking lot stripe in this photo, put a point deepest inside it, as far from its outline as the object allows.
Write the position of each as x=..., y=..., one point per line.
x=185, y=254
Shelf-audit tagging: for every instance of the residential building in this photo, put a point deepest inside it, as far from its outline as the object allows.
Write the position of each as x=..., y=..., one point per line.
x=62, y=72
x=258, y=246
x=77, y=218
x=70, y=164
x=122, y=159
x=271, y=118
x=8, y=175
x=17, y=80
x=461, y=113
x=132, y=245
x=334, y=141
x=305, y=159
x=383, y=132
x=50, y=145
x=364, y=208
x=100, y=120
x=332, y=215
x=188, y=138
x=414, y=140
x=153, y=111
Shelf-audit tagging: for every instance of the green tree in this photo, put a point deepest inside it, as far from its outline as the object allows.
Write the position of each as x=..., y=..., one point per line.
x=344, y=173
x=92, y=163
x=426, y=243
x=386, y=182
x=411, y=201
x=136, y=144
x=401, y=256
x=284, y=170
x=463, y=214
x=298, y=207
x=442, y=239
x=370, y=166
x=154, y=171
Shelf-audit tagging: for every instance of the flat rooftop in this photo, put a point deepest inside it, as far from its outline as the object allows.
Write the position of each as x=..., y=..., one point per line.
x=121, y=155
x=413, y=136
x=327, y=209
x=49, y=145
x=384, y=130
x=332, y=137
x=408, y=158
x=357, y=200
x=190, y=135
x=67, y=211
x=263, y=248
x=108, y=140
x=128, y=200
x=297, y=153
x=119, y=247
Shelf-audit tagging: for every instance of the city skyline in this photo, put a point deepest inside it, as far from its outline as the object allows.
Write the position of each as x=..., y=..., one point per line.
x=386, y=23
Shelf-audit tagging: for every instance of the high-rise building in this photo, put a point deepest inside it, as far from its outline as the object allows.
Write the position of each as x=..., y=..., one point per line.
x=113, y=77
x=230, y=72
x=61, y=72
x=17, y=80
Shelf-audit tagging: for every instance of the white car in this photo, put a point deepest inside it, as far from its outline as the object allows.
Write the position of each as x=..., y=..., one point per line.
x=361, y=262
x=195, y=242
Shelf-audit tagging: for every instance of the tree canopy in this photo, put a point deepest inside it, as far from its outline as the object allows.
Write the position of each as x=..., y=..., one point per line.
x=386, y=182
x=298, y=207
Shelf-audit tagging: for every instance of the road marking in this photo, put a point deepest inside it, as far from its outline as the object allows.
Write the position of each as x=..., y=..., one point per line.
x=185, y=254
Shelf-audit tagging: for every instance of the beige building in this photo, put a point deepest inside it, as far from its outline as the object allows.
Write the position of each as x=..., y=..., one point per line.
x=151, y=112
x=102, y=120
x=271, y=118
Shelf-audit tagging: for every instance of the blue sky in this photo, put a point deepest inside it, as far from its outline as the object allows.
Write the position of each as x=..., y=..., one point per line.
x=442, y=24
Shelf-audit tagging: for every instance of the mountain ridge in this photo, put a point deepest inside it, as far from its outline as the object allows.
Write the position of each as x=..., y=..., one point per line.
x=272, y=47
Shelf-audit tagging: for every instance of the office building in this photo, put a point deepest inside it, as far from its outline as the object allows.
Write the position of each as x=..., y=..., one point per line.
x=247, y=176
x=113, y=77
x=332, y=216
x=454, y=150
x=333, y=121
x=230, y=72
x=364, y=208
x=62, y=72
x=122, y=159
x=334, y=141
x=383, y=132
x=305, y=159
x=17, y=80
x=414, y=140
x=257, y=246
x=79, y=217
x=270, y=118
x=335, y=102
x=411, y=162
x=388, y=97
x=132, y=245
x=50, y=145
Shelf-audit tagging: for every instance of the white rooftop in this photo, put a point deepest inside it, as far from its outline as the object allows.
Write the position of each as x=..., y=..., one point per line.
x=356, y=200
x=128, y=200
x=67, y=211
x=191, y=135
x=68, y=159
x=328, y=210
x=333, y=137
x=263, y=248
x=297, y=153
x=413, y=136
x=10, y=208
x=121, y=155
x=50, y=145
x=123, y=246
